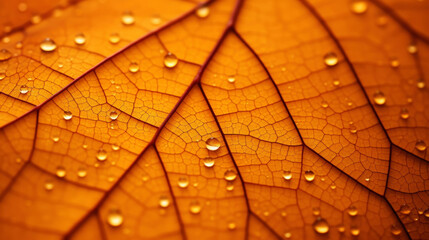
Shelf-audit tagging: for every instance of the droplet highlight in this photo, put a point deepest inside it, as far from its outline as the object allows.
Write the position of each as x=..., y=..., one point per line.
x=203, y=11
x=321, y=226
x=67, y=115
x=115, y=218
x=170, y=60
x=60, y=172
x=230, y=175
x=331, y=59
x=209, y=162
x=309, y=176
x=421, y=145
x=48, y=45
x=213, y=144
x=79, y=39
x=128, y=18
x=183, y=182
x=101, y=155
x=359, y=7
x=134, y=67
x=164, y=201
x=195, y=207
x=24, y=89
x=379, y=98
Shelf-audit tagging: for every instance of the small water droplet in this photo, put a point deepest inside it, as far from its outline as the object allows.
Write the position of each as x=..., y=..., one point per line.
x=229, y=186
x=324, y=104
x=352, y=127
x=405, y=114
x=331, y=59
x=128, y=18
x=79, y=39
x=115, y=218
x=333, y=186
x=321, y=226
x=355, y=231
x=232, y=226
x=113, y=125
x=426, y=213
x=49, y=185
x=18, y=45
x=287, y=175
x=421, y=83
x=213, y=144
x=367, y=179
x=405, y=209
x=2, y=75
x=114, y=38
x=170, y=60
x=395, y=230
x=421, y=145
x=113, y=115
x=209, y=162
x=101, y=155
x=195, y=207
x=60, y=172
x=164, y=201
x=288, y=235
x=336, y=82
x=67, y=115
x=24, y=89
x=22, y=7
x=359, y=7
x=56, y=139
x=379, y=98
x=81, y=172
x=352, y=211
x=230, y=175
x=155, y=20
x=309, y=175
x=134, y=67
x=48, y=45
x=145, y=178
x=394, y=63
x=203, y=11
x=5, y=54
x=412, y=48
x=115, y=147
x=231, y=79
x=341, y=228
x=316, y=211
x=183, y=182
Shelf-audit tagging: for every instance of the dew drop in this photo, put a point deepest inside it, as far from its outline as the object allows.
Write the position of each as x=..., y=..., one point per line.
x=405, y=114
x=49, y=185
x=367, y=179
x=421, y=145
x=195, y=207
x=79, y=39
x=231, y=79
x=2, y=75
x=18, y=45
x=60, y=172
x=352, y=211
x=183, y=182
x=115, y=218
x=113, y=125
x=134, y=67
x=333, y=186
x=36, y=19
x=115, y=147
x=170, y=60
x=426, y=213
x=359, y=7
x=56, y=139
x=101, y=155
x=128, y=18
x=288, y=235
x=321, y=226
x=209, y=162
x=379, y=98
x=355, y=231
x=287, y=175
x=145, y=178
x=336, y=82
x=421, y=83
x=24, y=89
x=67, y=115
x=405, y=209
x=81, y=172
x=341, y=228
x=316, y=211
x=395, y=230
x=394, y=63
x=331, y=59
x=155, y=20
x=352, y=128
x=203, y=11
x=48, y=45
x=324, y=104
x=229, y=186
x=114, y=38
x=164, y=201
x=230, y=175
x=113, y=115
x=5, y=54
x=232, y=226
x=309, y=176
x=412, y=48
x=213, y=144
x=22, y=7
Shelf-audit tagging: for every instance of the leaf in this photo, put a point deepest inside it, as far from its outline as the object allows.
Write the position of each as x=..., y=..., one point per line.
x=216, y=120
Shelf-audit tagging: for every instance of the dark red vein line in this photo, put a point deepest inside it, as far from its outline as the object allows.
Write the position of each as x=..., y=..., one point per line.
x=170, y=189
x=147, y=35
x=266, y=225
x=100, y=225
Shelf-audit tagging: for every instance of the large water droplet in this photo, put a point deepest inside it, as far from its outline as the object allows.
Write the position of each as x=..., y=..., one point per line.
x=81, y=172
x=230, y=175
x=24, y=89
x=354, y=231
x=195, y=207
x=60, y=172
x=79, y=39
x=379, y=98
x=134, y=67
x=48, y=45
x=113, y=115
x=352, y=211
x=203, y=11
x=309, y=176
x=331, y=59
x=421, y=145
x=213, y=144
x=183, y=182
x=67, y=115
x=321, y=226
x=209, y=162
x=287, y=175
x=164, y=201
x=101, y=155
x=170, y=60
x=128, y=18
x=115, y=218
x=5, y=54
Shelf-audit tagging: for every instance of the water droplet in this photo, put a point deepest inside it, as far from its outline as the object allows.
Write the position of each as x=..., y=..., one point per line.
x=288, y=235
x=203, y=11
x=352, y=127
x=195, y=207
x=412, y=48
x=405, y=114
x=115, y=218
x=341, y=228
x=114, y=38
x=113, y=125
x=352, y=211
x=22, y=7
x=115, y=147
x=60, y=172
x=213, y=144
x=56, y=139
x=170, y=60
x=5, y=54
x=49, y=185
x=421, y=83
x=231, y=79
x=48, y=45
x=309, y=175
x=359, y=7
x=379, y=98
x=336, y=82
x=426, y=213
x=24, y=89
x=321, y=226
x=421, y=145
x=67, y=115
x=316, y=211
x=101, y=155
x=405, y=209
x=113, y=115
x=232, y=226
x=382, y=21
x=287, y=175
x=128, y=18
x=2, y=75
x=134, y=67
x=331, y=59
x=155, y=20
x=394, y=63
x=36, y=19
x=164, y=201
x=79, y=39
x=230, y=175
x=367, y=179
x=333, y=186
x=183, y=182
x=81, y=172
x=229, y=186
x=145, y=178
x=209, y=162
x=355, y=231
x=324, y=104
x=18, y=45
x=266, y=213
x=395, y=230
